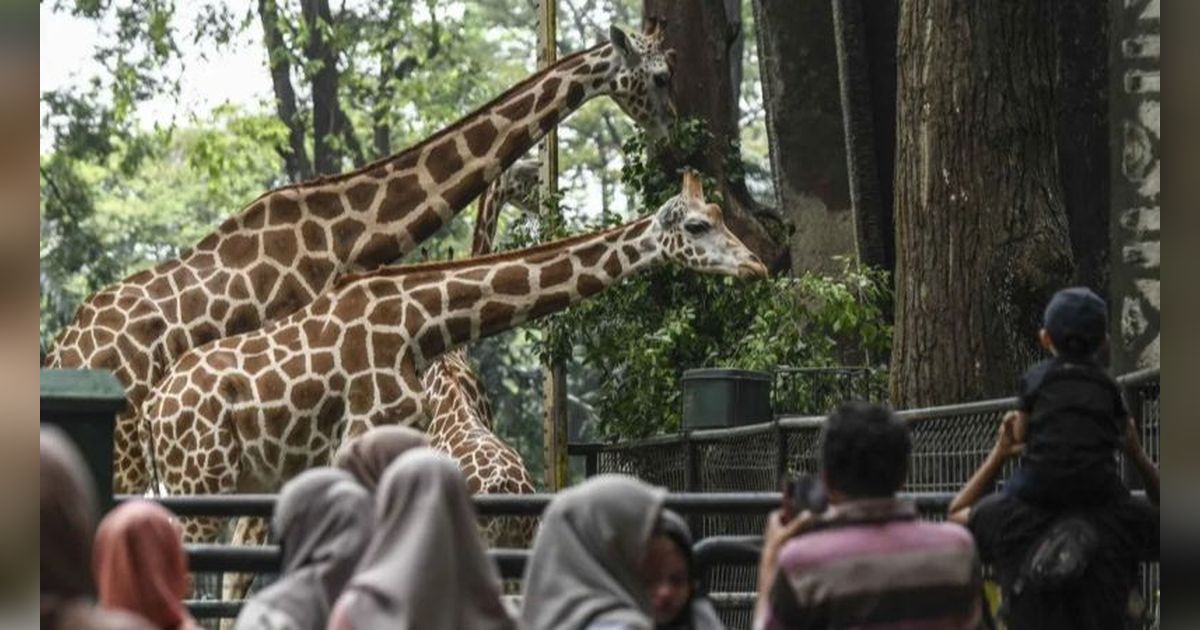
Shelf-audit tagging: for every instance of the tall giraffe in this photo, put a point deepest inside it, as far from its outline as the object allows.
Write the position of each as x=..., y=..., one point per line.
x=461, y=422
x=247, y=412
x=291, y=245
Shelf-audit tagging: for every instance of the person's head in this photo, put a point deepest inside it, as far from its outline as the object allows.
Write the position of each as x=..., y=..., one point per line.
x=68, y=518
x=667, y=570
x=1075, y=324
x=140, y=563
x=864, y=452
x=368, y=455
x=587, y=562
x=323, y=522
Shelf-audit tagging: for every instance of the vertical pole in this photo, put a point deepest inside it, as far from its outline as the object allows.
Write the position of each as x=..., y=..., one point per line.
x=554, y=376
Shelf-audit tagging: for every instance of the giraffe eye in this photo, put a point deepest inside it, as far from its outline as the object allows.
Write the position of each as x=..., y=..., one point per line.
x=696, y=227
x=661, y=80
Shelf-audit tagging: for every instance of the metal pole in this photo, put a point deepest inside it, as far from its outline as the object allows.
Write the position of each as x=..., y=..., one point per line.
x=554, y=376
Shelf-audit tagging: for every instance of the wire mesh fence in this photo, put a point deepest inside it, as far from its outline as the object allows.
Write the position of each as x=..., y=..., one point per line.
x=949, y=444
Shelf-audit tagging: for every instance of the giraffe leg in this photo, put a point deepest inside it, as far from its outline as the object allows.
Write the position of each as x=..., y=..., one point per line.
x=251, y=531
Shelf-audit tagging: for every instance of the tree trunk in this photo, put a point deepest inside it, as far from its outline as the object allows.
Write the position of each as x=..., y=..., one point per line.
x=295, y=155
x=328, y=119
x=705, y=36
x=981, y=232
x=804, y=127
x=1083, y=149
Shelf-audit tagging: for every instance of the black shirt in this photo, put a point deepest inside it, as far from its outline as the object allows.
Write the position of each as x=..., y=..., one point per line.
x=1076, y=419
x=1005, y=528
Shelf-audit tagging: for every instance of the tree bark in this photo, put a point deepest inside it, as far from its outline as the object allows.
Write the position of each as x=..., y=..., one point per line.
x=329, y=121
x=981, y=232
x=705, y=36
x=1083, y=143
x=804, y=128
x=295, y=156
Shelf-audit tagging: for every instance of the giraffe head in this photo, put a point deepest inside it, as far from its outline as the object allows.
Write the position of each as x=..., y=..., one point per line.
x=692, y=232
x=641, y=83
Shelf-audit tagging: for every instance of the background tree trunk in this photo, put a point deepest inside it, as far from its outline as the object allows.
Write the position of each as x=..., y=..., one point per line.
x=798, y=54
x=706, y=36
x=1082, y=129
x=295, y=156
x=981, y=232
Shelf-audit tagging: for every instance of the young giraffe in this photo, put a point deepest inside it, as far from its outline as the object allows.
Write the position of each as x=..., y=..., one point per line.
x=290, y=245
x=245, y=413
x=461, y=421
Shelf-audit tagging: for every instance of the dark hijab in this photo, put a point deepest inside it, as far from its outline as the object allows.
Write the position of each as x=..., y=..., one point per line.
x=68, y=512
x=699, y=613
x=322, y=523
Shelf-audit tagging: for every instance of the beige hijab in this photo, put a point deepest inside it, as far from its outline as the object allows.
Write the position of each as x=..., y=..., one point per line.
x=368, y=455
x=586, y=562
x=425, y=567
x=323, y=523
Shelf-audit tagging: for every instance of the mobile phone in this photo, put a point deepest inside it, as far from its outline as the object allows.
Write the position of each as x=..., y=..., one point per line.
x=803, y=493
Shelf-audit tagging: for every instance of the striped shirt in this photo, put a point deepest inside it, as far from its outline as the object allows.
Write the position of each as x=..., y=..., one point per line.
x=872, y=564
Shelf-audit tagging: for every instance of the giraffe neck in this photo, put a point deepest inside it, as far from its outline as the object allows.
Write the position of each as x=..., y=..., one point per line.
x=380, y=212
x=467, y=300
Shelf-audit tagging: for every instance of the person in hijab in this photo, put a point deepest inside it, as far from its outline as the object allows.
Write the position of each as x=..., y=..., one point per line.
x=67, y=513
x=586, y=571
x=140, y=564
x=425, y=567
x=322, y=522
x=368, y=455
x=673, y=582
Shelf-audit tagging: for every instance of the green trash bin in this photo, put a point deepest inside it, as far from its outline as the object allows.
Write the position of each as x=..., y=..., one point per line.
x=722, y=397
x=85, y=404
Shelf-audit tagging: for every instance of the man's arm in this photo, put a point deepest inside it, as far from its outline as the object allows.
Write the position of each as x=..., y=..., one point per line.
x=774, y=537
x=1141, y=461
x=1004, y=448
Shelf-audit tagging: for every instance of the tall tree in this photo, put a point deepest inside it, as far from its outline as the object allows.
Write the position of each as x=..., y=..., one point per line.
x=981, y=232
x=707, y=38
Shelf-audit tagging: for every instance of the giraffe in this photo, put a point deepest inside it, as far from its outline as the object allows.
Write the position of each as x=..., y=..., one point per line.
x=289, y=246
x=461, y=422
x=245, y=413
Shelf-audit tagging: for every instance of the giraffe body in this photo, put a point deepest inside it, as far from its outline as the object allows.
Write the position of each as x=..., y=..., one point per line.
x=461, y=420
x=291, y=245
x=246, y=413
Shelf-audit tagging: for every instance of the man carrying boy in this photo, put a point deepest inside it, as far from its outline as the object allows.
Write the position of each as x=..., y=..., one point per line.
x=1065, y=537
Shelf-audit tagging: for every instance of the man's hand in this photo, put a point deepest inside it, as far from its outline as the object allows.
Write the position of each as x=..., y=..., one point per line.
x=1006, y=442
x=777, y=532
x=1131, y=442
x=774, y=536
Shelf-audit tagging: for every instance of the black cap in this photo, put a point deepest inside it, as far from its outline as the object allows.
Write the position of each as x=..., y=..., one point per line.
x=1077, y=320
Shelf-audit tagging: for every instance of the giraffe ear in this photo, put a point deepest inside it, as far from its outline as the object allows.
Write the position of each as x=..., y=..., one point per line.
x=620, y=41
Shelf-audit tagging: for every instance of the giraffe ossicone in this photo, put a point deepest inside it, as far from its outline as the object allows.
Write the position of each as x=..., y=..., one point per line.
x=289, y=247
x=246, y=413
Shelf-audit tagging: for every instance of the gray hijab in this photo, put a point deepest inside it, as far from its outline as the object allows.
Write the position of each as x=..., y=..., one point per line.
x=425, y=568
x=323, y=523
x=368, y=455
x=586, y=561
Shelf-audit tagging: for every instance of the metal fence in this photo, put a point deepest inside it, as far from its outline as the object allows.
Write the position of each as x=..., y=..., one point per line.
x=949, y=444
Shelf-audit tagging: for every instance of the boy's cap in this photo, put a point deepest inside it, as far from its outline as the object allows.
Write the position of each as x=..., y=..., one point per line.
x=1078, y=313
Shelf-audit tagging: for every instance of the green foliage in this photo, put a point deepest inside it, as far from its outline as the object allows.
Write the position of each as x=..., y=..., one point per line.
x=106, y=215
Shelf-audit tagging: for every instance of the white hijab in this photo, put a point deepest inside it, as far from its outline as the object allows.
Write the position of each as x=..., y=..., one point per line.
x=586, y=562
